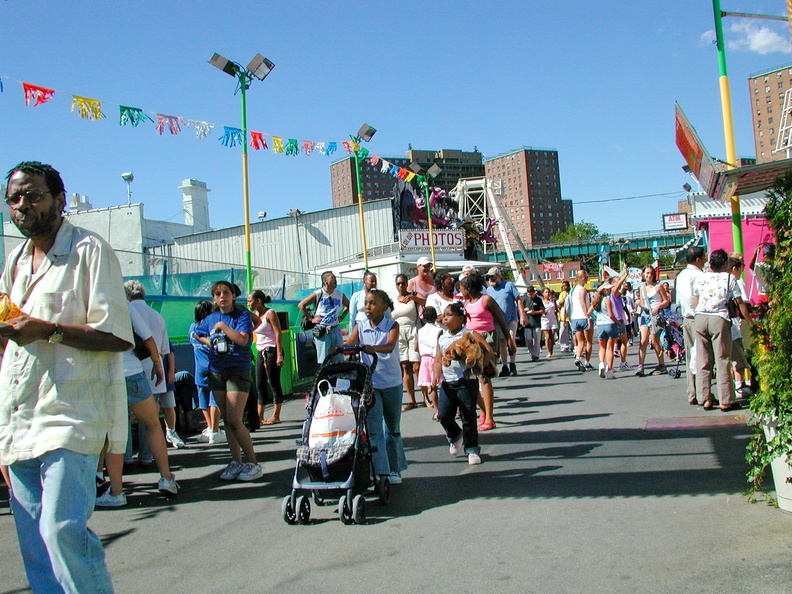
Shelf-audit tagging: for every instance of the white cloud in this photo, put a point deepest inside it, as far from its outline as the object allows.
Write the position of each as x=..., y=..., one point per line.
x=758, y=39
x=707, y=37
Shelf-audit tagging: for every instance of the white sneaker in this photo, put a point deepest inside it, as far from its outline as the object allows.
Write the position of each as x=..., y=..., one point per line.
x=204, y=436
x=173, y=438
x=395, y=478
x=602, y=370
x=250, y=472
x=168, y=487
x=625, y=367
x=453, y=449
x=474, y=459
x=219, y=437
x=609, y=374
x=109, y=500
x=231, y=471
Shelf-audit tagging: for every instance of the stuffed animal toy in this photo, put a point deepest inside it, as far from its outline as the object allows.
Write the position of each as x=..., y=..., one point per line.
x=465, y=348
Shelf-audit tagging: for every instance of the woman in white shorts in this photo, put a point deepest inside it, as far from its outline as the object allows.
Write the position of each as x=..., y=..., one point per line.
x=549, y=321
x=405, y=311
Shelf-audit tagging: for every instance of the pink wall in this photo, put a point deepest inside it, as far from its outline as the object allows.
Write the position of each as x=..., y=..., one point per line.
x=755, y=231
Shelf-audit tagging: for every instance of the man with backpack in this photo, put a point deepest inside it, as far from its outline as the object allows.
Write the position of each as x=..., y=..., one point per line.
x=330, y=307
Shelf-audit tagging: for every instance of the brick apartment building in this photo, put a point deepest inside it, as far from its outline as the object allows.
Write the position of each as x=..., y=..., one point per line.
x=767, y=91
x=531, y=192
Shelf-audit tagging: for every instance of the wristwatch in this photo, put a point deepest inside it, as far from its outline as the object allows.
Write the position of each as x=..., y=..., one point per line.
x=57, y=336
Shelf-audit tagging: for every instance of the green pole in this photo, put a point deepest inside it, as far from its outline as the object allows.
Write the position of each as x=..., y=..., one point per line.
x=728, y=125
x=360, y=205
x=429, y=220
x=243, y=84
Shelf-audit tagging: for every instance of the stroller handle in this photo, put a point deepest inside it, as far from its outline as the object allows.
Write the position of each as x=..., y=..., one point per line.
x=350, y=353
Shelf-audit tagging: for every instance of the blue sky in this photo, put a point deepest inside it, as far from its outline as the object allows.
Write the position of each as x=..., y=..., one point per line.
x=596, y=81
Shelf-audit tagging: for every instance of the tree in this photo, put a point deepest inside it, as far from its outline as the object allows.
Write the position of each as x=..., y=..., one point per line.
x=578, y=232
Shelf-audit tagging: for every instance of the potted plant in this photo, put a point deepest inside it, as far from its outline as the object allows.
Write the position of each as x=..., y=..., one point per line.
x=771, y=406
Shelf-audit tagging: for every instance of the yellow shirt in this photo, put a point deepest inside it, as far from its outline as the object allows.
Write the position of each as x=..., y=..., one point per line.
x=55, y=396
x=562, y=296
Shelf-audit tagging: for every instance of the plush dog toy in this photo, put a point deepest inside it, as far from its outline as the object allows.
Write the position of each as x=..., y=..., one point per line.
x=465, y=348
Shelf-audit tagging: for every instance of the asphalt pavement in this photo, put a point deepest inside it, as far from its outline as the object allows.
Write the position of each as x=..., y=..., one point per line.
x=587, y=485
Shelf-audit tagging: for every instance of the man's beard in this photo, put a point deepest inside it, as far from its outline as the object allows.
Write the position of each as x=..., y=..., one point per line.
x=44, y=224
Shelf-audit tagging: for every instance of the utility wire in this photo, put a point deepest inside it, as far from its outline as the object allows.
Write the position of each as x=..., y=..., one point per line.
x=632, y=198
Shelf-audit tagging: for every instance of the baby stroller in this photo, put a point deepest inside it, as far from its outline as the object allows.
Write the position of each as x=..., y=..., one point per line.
x=673, y=342
x=340, y=468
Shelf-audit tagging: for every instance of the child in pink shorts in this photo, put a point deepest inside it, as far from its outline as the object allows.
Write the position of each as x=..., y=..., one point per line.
x=426, y=345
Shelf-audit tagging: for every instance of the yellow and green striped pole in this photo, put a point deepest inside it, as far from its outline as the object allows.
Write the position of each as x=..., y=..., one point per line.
x=728, y=126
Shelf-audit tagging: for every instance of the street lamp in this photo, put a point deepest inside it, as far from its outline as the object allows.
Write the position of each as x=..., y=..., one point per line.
x=423, y=182
x=128, y=177
x=259, y=67
x=366, y=133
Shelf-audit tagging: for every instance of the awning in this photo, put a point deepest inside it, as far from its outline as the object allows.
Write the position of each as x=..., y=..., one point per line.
x=748, y=179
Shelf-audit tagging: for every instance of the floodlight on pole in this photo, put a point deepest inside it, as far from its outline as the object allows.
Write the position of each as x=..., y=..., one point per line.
x=259, y=67
x=366, y=132
x=128, y=177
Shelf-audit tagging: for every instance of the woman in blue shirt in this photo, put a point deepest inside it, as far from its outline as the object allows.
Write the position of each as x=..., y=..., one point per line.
x=227, y=331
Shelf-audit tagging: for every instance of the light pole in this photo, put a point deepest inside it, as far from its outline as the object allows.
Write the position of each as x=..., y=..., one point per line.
x=423, y=182
x=128, y=177
x=366, y=132
x=295, y=214
x=259, y=67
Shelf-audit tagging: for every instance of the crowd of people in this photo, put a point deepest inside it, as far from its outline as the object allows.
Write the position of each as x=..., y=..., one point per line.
x=88, y=355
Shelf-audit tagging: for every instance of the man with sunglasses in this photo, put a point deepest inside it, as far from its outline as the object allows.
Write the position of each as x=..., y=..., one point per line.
x=62, y=389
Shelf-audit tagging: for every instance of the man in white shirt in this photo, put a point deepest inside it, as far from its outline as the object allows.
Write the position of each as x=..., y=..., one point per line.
x=62, y=389
x=684, y=297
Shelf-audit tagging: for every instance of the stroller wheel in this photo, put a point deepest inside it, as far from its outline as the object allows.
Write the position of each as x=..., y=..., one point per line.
x=303, y=505
x=359, y=509
x=344, y=510
x=289, y=514
x=383, y=489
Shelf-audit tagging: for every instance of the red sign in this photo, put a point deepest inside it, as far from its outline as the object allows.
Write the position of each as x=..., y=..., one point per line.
x=443, y=239
x=689, y=144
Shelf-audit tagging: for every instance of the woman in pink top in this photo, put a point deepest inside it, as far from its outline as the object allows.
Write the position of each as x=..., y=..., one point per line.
x=267, y=329
x=483, y=312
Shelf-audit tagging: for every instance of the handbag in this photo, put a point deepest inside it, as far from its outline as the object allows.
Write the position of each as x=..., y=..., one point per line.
x=333, y=421
x=306, y=324
x=140, y=350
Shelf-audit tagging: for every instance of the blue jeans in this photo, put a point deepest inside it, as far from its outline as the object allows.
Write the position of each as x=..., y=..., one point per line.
x=383, y=424
x=461, y=395
x=54, y=496
x=331, y=338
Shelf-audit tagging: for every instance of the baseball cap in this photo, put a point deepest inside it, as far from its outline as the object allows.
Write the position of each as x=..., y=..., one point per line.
x=493, y=271
x=423, y=261
x=468, y=268
x=530, y=288
x=605, y=285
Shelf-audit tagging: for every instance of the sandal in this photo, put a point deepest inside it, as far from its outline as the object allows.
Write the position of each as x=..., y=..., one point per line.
x=410, y=406
x=732, y=406
x=271, y=422
x=486, y=426
x=708, y=404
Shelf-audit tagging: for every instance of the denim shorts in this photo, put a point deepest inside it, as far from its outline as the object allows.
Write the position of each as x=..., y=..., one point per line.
x=138, y=388
x=230, y=381
x=606, y=331
x=579, y=325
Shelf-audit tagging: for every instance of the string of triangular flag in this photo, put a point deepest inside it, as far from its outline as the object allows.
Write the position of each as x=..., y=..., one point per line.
x=91, y=109
x=387, y=167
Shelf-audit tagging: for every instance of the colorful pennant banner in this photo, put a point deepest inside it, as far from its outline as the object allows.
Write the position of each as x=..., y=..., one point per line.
x=91, y=109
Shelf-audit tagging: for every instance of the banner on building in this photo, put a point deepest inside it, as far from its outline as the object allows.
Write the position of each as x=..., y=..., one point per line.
x=552, y=266
x=444, y=239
